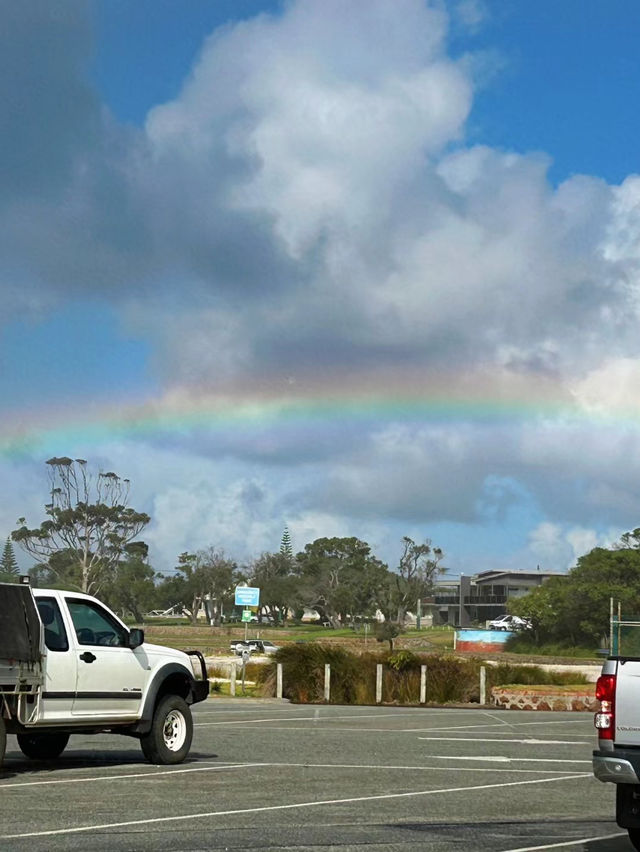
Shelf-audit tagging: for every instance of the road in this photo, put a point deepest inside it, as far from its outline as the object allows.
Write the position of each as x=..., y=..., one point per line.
x=271, y=775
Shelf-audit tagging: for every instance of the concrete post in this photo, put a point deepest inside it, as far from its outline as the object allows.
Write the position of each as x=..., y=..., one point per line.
x=379, y=683
x=483, y=685
x=327, y=682
x=423, y=684
x=278, y=680
x=232, y=679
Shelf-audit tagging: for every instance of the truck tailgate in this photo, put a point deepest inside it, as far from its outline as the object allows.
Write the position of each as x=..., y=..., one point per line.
x=627, y=703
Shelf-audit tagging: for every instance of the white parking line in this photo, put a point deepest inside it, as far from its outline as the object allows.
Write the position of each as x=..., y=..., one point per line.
x=500, y=759
x=328, y=717
x=86, y=780
x=342, y=729
x=267, y=808
x=566, y=843
x=494, y=740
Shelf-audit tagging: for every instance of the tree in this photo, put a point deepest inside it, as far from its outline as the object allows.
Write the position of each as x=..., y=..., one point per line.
x=88, y=518
x=417, y=571
x=132, y=588
x=340, y=577
x=575, y=609
x=209, y=579
x=387, y=631
x=286, y=548
x=8, y=565
x=273, y=574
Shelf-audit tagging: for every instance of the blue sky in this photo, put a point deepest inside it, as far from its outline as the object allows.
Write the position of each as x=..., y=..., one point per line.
x=324, y=202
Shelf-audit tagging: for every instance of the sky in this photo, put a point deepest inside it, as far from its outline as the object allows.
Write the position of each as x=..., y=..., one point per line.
x=354, y=268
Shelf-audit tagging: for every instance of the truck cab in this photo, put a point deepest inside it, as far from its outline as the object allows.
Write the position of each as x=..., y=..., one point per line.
x=96, y=674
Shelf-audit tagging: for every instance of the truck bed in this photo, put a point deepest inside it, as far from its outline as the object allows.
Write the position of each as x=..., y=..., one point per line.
x=20, y=639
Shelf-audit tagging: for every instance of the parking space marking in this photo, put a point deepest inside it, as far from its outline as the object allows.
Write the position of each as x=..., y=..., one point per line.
x=83, y=779
x=500, y=759
x=494, y=740
x=568, y=843
x=332, y=729
x=293, y=806
x=326, y=718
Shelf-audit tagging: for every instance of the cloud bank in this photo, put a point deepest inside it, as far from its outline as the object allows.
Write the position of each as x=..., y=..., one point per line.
x=307, y=217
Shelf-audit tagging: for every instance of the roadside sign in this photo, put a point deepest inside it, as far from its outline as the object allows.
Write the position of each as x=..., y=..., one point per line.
x=246, y=615
x=247, y=596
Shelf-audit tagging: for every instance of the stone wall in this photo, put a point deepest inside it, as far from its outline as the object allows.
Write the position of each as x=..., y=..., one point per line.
x=545, y=698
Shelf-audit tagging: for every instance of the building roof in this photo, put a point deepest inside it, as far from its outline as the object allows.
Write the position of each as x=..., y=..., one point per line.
x=505, y=576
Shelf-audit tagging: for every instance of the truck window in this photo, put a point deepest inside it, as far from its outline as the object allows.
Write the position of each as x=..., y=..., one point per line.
x=55, y=636
x=94, y=626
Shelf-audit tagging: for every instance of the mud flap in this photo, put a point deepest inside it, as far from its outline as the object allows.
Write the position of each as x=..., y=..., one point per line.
x=628, y=805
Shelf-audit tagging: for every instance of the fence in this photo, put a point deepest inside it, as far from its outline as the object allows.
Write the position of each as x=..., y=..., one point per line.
x=422, y=697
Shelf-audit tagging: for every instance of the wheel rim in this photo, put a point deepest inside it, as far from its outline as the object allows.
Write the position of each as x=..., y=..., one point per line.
x=175, y=730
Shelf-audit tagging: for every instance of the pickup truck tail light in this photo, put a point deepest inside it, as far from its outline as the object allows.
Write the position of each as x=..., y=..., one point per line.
x=604, y=720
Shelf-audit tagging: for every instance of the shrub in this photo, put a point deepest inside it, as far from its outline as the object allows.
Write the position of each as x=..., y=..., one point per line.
x=353, y=678
x=505, y=673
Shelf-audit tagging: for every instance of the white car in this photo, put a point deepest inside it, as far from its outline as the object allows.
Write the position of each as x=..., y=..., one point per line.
x=510, y=622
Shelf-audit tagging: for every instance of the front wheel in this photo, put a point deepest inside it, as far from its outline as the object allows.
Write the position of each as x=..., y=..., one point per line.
x=41, y=746
x=169, y=739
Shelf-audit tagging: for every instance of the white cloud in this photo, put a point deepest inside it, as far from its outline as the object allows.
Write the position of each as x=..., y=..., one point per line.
x=307, y=215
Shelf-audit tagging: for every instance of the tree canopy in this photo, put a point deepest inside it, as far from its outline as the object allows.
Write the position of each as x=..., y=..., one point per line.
x=88, y=520
x=575, y=609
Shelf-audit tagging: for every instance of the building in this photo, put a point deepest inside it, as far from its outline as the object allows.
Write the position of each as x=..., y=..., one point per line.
x=476, y=599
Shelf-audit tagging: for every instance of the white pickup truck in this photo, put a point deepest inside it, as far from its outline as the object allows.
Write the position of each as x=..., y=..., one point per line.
x=68, y=665
x=617, y=758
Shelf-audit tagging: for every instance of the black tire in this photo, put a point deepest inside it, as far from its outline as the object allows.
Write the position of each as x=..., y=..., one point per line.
x=169, y=739
x=634, y=837
x=41, y=746
x=3, y=740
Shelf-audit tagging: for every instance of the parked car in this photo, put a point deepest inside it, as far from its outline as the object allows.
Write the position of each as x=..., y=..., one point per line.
x=510, y=622
x=263, y=646
x=256, y=646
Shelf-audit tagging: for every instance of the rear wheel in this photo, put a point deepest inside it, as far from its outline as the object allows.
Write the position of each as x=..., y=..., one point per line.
x=634, y=837
x=169, y=739
x=41, y=746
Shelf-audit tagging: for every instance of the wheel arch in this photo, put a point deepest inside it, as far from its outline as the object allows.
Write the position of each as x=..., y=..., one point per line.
x=171, y=679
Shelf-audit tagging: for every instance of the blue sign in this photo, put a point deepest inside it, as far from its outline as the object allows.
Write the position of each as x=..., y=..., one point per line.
x=247, y=596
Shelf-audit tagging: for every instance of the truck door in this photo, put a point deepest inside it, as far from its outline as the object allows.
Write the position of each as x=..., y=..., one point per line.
x=59, y=687
x=110, y=675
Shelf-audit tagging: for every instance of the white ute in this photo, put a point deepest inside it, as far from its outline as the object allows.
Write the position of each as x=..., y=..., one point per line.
x=69, y=665
x=617, y=758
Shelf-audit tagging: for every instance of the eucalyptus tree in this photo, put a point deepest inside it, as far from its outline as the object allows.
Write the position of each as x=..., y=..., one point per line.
x=418, y=569
x=88, y=519
x=341, y=578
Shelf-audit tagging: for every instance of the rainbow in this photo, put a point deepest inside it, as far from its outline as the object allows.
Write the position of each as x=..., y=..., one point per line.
x=475, y=397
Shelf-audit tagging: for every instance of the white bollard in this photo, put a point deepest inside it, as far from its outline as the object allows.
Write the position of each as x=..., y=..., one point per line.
x=423, y=684
x=379, y=683
x=327, y=681
x=278, y=680
x=232, y=679
x=483, y=685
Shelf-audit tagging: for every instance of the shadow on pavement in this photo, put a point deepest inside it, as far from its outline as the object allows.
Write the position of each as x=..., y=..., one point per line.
x=613, y=844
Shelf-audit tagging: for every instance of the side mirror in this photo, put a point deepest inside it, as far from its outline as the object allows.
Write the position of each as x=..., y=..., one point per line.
x=136, y=637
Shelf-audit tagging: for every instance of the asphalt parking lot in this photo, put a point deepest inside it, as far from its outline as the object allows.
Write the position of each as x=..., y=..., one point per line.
x=264, y=775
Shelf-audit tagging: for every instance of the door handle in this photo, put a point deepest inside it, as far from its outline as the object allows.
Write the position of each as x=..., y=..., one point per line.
x=88, y=657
